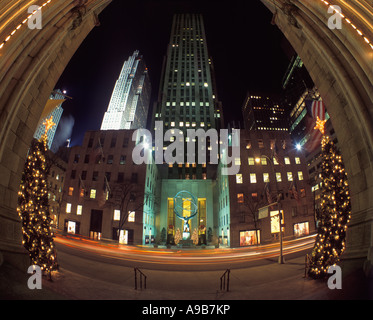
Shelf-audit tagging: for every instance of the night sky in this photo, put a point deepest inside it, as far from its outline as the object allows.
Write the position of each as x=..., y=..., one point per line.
x=247, y=51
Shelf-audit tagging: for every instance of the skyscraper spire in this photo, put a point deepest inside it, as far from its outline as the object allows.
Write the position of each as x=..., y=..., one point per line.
x=129, y=103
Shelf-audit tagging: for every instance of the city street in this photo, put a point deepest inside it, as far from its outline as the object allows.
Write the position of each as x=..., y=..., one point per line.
x=92, y=270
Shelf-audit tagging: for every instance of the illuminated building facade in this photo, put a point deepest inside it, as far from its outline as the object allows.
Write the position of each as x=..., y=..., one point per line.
x=262, y=112
x=188, y=100
x=56, y=113
x=106, y=195
x=129, y=103
x=269, y=166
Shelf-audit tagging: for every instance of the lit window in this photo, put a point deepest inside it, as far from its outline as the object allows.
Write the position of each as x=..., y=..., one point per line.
x=290, y=176
x=79, y=210
x=131, y=216
x=68, y=207
x=300, y=175
x=260, y=143
x=93, y=194
x=239, y=178
x=240, y=197
x=116, y=215
x=252, y=178
x=287, y=160
x=206, y=84
x=263, y=161
x=275, y=162
x=297, y=160
x=237, y=161
x=265, y=177
x=251, y=161
x=278, y=177
x=71, y=190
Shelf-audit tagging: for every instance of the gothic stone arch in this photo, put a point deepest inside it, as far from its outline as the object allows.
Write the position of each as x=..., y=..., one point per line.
x=31, y=62
x=340, y=62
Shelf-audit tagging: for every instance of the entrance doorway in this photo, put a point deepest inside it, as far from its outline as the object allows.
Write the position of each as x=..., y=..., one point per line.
x=96, y=224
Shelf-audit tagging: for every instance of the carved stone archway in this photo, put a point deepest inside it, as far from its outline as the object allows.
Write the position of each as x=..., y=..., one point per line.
x=31, y=62
x=340, y=62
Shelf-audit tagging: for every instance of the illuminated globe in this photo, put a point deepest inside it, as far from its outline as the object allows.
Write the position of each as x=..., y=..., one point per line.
x=185, y=202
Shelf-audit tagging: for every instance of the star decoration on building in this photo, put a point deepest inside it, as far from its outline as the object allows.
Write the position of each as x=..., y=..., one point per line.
x=320, y=125
x=49, y=124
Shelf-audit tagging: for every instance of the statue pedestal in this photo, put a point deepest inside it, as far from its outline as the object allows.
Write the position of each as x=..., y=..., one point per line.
x=186, y=235
x=186, y=243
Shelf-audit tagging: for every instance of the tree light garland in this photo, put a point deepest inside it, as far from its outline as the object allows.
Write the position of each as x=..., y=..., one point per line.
x=33, y=209
x=334, y=212
x=349, y=22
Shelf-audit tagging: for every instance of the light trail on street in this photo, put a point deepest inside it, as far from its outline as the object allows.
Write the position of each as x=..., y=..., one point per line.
x=181, y=257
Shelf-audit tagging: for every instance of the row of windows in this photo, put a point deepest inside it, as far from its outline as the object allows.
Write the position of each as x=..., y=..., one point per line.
x=261, y=144
x=264, y=161
x=253, y=177
x=106, y=177
x=113, y=142
x=116, y=214
x=100, y=159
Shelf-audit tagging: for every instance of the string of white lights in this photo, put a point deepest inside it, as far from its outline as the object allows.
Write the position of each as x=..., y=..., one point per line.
x=348, y=21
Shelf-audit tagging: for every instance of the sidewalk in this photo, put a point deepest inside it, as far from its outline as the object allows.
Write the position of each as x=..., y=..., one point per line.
x=269, y=282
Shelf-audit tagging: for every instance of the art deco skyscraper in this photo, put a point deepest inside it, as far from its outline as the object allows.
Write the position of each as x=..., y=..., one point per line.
x=129, y=103
x=187, y=97
x=54, y=109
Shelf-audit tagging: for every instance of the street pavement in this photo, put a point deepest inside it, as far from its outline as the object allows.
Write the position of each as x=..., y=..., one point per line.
x=91, y=276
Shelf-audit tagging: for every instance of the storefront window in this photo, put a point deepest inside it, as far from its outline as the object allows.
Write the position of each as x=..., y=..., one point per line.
x=249, y=238
x=301, y=229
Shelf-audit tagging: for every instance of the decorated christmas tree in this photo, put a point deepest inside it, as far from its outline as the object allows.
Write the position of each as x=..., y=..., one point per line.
x=33, y=206
x=334, y=211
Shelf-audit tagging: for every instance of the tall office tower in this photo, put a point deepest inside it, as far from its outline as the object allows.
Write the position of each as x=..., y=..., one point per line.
x=188, y=96
x=53, y=108
x=264, y=113
x=129, y=103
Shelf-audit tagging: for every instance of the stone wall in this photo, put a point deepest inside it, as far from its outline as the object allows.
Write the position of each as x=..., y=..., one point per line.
x=340, y=63
x=31, y=63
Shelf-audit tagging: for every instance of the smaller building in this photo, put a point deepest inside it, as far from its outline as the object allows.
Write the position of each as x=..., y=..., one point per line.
x=269, y=166
x=107, y=195
x=262, y=112
x=53, y=108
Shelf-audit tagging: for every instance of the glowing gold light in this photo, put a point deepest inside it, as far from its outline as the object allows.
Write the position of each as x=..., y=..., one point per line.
x=320, y=125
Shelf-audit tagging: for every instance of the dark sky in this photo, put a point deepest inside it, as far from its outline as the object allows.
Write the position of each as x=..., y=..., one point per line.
x=246, y=50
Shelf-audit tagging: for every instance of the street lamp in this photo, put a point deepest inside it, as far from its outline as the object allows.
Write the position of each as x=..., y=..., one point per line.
x=280, y=258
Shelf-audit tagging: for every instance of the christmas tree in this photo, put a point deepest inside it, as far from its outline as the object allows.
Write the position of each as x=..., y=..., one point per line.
x=334, y=211
x=33, y=206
